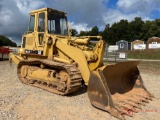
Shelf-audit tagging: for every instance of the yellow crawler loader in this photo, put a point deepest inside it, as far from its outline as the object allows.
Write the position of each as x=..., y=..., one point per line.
x=51, y=59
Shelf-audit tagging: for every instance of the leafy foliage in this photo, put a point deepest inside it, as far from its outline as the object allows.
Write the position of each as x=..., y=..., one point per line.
x=129, y=31
x=4, y=41
x=74, y=32
x=94, y=32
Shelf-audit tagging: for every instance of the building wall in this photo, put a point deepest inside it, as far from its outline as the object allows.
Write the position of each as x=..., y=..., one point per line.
x=136, y=42
x=122, y=45
x=153, y=40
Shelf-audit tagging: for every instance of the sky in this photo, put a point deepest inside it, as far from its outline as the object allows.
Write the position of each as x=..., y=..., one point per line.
x=82, y=14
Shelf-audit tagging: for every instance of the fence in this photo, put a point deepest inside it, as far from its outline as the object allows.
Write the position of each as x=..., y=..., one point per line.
x=115, y=56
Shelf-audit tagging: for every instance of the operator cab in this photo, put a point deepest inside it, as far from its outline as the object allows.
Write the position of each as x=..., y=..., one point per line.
x=49, y=21
x=43, y=23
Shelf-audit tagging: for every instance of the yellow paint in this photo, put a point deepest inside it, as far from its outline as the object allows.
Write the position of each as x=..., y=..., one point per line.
x=62, y=48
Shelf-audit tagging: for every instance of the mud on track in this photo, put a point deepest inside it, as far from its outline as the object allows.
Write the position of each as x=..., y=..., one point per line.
x=19, y=101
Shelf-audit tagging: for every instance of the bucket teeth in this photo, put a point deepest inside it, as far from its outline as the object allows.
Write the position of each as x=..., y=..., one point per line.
x=152, y=96
x=140, y=100
x=121, y=117
x=134, y=104
x=149, y=98
x=135, y=110
x=116, y=113
x=128, y=113
x=142, y=103
x=139, y=107
x=124, y=111
x=145, y=100
x=128, y=106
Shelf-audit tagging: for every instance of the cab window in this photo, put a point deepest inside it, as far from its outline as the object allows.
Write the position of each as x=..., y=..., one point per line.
x=41, y=22
x=31, y=23
x=57, y=24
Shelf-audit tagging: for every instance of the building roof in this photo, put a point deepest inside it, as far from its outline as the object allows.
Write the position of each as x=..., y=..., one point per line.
x=154, y=38
x=122, y=41
x=137, y=41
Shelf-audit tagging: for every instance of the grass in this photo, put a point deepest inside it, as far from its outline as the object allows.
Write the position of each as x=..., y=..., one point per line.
x=144, y=54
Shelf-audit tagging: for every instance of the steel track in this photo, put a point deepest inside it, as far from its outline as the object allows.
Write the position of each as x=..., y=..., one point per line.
x=72, y=86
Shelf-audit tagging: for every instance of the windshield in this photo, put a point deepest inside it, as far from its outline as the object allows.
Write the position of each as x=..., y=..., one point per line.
x=57, y=24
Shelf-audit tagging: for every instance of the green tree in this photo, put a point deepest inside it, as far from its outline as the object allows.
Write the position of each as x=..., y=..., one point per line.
x=4, y=41
x=124, y=30
x=1, y=44
x=83, y=33
x=151, y=29
x=116, y=32
x=94, y=31
x=74, y=32
x=135, y=28
x=104, y=33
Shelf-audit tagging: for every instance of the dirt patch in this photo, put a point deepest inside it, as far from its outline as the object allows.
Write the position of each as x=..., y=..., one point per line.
x=19, y=101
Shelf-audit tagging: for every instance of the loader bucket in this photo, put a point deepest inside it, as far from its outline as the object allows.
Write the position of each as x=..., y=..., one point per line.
x=118, y=89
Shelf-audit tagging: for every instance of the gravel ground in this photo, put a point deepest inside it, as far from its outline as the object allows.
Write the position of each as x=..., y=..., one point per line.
x=19, y=101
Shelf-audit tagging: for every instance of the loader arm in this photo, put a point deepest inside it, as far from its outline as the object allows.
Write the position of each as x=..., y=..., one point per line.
x=78, y=56
x=99, y=52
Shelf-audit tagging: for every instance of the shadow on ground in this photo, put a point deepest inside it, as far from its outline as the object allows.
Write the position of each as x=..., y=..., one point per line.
x=82, y=90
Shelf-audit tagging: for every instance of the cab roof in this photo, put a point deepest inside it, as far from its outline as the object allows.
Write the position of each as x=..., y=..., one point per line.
x=47, y=9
